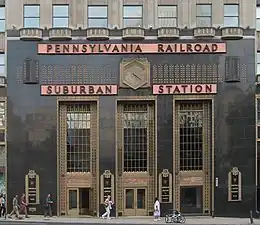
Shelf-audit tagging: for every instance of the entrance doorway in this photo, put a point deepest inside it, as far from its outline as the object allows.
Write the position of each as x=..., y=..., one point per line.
x=78, y=201
x=135, y=202
x=191, y=199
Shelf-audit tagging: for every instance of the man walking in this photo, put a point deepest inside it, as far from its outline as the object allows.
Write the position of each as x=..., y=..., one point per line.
x=3, y=206
x=23, y=206
x=15, y=208
x=48, y=206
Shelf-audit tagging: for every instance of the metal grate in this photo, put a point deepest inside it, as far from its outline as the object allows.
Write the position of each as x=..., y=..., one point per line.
x=135, y=122
x=191, y=136
x=78, y=138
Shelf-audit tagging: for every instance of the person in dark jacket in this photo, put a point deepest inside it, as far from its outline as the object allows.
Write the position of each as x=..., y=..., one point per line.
x=3, y=206
x=48, y=206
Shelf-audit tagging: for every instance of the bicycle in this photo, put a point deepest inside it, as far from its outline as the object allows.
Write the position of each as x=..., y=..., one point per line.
x=174, y=217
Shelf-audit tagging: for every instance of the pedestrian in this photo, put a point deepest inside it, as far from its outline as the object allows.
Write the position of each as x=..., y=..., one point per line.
x=23, y=206
x=15, y=208
x=2, y=206
x=48, y=206
x=108, y=206
x=156, y=210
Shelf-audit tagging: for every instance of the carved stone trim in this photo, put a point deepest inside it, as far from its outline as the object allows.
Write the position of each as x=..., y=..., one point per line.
x=107, y=189
x=166, y=33
x=99, y=34
x=135, y=73
x=32, y=188
x=165, y=186
x=232, y=33
x=199, y=32
x=234, y=185
x=60, y=33
x=31, y=34
x=133, y=33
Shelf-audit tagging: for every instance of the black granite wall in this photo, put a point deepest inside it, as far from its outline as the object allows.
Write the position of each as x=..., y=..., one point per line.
x=32, y=118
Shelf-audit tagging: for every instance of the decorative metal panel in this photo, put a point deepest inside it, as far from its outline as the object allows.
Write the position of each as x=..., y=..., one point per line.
x=186, y=73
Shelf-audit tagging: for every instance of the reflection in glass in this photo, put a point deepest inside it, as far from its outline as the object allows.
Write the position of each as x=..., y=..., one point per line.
x=97, y=11
x=78, y=140
x=73, y=199
x=203, y=21
x=203, y=15
x=129, y=199
x=60, y=11
x=231, y=21
x=191, y=139
x=97, y=22
x=167, y=16
x=140, y=198
x=31, y=11
x=133, y=16
x=191, y=199
x=60, y=16
x=2, y=25
x=31, y=16
x=231, y=10
x=133, y=11
x=204, y=10
x=2, y=13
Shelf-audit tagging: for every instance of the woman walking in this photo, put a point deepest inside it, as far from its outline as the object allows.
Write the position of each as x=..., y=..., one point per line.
x=108, y=206
x=156, y=210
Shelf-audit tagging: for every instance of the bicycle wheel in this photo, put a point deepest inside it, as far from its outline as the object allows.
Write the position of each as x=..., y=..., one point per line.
x=167, y=219
x=182, y=219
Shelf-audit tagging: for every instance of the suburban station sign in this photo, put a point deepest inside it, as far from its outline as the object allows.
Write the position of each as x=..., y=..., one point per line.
x=78, y=89
x=171, y=89
x=87, y=49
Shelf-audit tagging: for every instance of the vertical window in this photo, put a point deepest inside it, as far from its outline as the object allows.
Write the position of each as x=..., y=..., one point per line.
x=97, y=16
x=2, y=19
x=135, y=120
x=78, y=138
x=204, y=13
x=31, y=16
x=60, y=16
x=2, y=64
x=231, y=15
x=258, y=63
x=133, y=16
x=167, y=16
x=191, y=137
x=258, y=18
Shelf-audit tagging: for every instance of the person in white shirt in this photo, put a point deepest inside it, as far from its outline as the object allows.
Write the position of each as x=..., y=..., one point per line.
x=108, y=206
x=156, y=209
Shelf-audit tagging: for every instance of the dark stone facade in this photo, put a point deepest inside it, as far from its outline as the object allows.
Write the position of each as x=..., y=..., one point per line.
x=32, y=118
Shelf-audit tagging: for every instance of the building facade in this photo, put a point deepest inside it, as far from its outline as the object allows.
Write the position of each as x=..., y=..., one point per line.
x=135, y=99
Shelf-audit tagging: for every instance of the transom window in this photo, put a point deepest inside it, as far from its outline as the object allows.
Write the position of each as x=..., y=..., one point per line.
x=258, y=18
x=2, y=19
x=78, y=138
x=231, y=15
x=60, y=16
x=133, y=16
x=167, y=16
x=97, y=16
x=191, y=137
x=204, y=14
x=31, y=16
x=135, y=122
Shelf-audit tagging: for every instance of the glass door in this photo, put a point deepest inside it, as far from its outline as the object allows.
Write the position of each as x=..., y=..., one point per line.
x=135, y=202
x=73, y=202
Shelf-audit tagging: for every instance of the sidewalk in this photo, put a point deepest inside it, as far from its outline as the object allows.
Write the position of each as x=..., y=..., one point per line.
x=134, y=220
